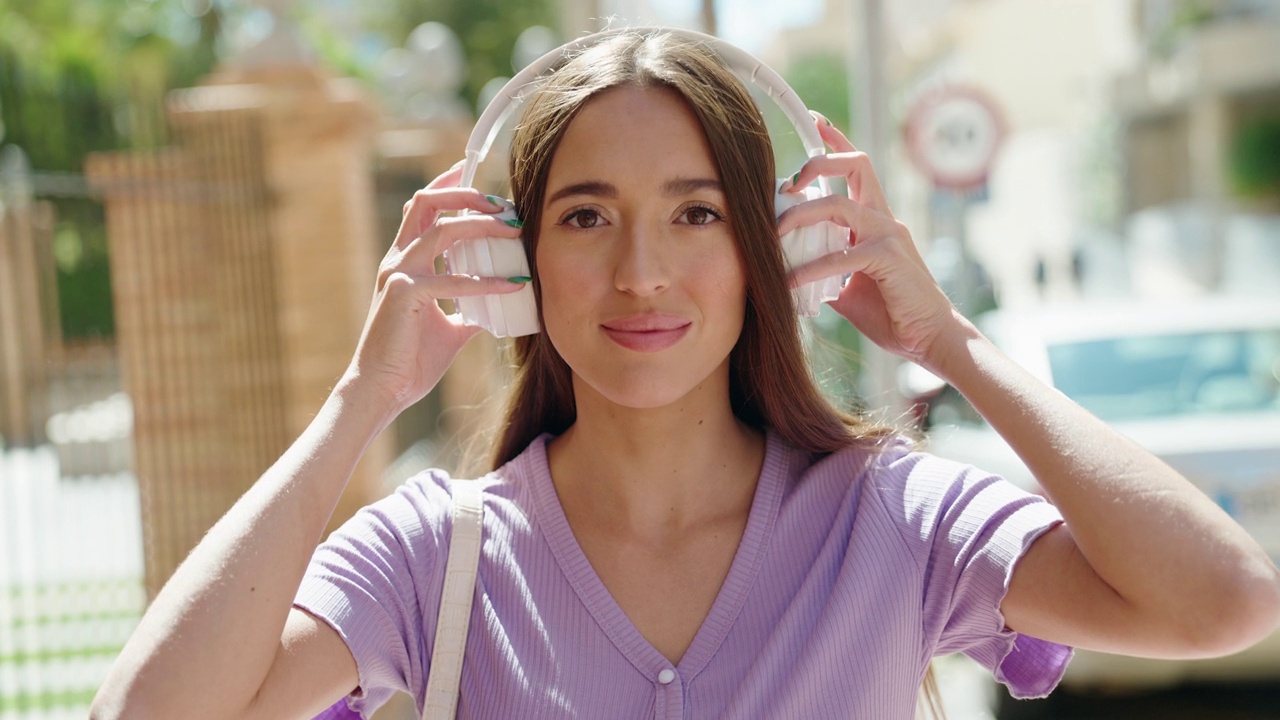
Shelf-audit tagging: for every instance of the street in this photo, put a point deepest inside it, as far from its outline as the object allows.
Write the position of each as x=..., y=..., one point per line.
x=969, y=693
x=1255, y=701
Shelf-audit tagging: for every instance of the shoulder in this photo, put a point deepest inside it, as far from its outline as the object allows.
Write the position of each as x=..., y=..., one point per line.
x=426, y=500
x=955, y=515
x=891, y=465
x=430, y=492
x=411, y=519
x=417, y=514
x=911, y=481
x=928, y=498
x=855, y=489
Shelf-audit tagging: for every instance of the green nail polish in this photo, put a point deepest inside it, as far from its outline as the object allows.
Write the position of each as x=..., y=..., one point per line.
x=520, y=279
x=515, y=223
x=795, y=177
x=494, y=199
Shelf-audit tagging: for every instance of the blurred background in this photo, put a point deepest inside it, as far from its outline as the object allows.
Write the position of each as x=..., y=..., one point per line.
x=194, y=195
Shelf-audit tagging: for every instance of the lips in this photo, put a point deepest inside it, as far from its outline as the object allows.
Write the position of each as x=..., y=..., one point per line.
x=647, y=332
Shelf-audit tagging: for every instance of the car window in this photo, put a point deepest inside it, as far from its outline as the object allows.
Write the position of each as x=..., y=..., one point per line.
x=1156, y=376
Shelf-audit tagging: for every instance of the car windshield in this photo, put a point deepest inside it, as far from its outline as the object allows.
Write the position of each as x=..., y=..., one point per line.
x=1157, y=376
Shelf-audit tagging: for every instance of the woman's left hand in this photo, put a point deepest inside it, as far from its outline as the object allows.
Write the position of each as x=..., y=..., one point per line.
x=891, y=297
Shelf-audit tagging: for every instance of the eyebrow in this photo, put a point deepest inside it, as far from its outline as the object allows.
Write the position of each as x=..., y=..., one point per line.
x=597, y=188
x=684, y=186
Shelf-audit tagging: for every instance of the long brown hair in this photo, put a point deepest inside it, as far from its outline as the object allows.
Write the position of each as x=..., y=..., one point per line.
x=770, y=385
x=769, y=381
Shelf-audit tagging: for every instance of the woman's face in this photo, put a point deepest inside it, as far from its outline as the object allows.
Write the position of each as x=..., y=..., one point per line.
x=643, y=290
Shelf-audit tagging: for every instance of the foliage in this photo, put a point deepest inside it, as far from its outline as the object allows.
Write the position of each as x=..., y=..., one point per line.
x=80, y=77
x=1185, y=18
x=1255, y=158
x=84, y=288
x=822, y=81
x=334, y=47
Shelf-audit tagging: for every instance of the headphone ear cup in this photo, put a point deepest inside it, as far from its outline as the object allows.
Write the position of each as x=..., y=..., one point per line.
x=505, y=315
x=806, y=244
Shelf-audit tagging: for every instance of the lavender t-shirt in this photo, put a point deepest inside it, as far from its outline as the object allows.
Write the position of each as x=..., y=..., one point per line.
x=852, y=573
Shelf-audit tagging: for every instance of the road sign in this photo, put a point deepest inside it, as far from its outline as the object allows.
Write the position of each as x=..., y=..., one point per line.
x=952, y=135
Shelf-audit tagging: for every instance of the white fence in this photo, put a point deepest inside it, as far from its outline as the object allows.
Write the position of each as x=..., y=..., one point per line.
x=71, y=569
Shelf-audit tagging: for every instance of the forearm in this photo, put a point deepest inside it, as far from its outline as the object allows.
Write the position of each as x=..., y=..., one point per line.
x=1169, y=553
x=210, y=636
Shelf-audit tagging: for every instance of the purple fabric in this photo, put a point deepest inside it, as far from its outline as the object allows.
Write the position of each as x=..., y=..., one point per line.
x=852, y=573
x=338, y=711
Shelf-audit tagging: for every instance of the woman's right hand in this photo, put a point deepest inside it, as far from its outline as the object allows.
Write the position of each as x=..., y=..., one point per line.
x=220, y=640
x=408, y=341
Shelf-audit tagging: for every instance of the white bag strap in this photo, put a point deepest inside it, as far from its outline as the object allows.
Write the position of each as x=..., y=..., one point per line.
x=455, y=603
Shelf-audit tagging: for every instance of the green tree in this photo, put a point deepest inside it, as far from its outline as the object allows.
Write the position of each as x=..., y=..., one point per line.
x=821, y=79
x=1255, y=158
x=77, y=77
x=80, y=77
x=487, y=29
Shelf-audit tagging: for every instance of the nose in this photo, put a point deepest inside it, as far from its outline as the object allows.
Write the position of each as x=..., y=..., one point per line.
x=641, y=268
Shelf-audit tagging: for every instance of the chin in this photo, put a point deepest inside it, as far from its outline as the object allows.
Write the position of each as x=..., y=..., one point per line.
x=643, y=398
x=639, y=393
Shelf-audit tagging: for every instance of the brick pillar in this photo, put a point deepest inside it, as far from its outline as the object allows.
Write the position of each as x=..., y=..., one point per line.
x=166, y=270
x=316, y=136
x=242, y=267
x=30, y=332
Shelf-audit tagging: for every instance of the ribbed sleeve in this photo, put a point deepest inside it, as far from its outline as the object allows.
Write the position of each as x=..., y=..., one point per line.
x=967, y=530
x=366, y=581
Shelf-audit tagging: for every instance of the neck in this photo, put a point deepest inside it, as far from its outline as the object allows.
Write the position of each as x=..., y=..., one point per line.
x=657, y=468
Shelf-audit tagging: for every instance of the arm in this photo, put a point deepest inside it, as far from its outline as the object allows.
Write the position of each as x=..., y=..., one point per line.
x=221, y=639
x=1145, y=564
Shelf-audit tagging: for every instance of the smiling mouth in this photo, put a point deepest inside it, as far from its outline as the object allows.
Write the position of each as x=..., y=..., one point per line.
x=647, y=333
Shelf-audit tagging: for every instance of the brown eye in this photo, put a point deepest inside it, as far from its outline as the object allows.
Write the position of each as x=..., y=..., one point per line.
x=698, y=215
x=585, y=218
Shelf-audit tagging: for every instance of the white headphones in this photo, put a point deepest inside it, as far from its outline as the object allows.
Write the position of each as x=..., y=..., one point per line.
x=515, y=314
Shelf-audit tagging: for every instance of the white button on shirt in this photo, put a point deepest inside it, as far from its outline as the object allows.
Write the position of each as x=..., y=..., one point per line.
x=666, y=676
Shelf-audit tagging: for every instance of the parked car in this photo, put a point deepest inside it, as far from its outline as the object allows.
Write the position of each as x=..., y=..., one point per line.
x=1197, y=383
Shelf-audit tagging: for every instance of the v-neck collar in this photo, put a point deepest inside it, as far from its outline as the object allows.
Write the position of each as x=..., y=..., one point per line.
x=549, y=516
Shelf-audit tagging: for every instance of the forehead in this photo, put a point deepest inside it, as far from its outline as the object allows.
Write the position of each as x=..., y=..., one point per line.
x=633, y=133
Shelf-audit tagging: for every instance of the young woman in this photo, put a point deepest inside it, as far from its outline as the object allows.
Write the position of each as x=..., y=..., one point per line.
x=678, y=525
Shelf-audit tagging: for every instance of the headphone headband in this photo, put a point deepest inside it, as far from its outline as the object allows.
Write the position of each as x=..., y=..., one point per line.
x=516, y=314
x=745, y=65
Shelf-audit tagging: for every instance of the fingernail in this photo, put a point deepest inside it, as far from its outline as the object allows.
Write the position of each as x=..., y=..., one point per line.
x=515, y=223
x=494, y=199
x=520, y=279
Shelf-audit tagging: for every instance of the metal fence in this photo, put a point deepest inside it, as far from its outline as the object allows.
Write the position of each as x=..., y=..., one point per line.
x=116, y=457
x=71, y=562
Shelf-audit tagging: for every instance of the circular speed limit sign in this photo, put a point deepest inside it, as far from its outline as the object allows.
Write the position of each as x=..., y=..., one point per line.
x=952, y=136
